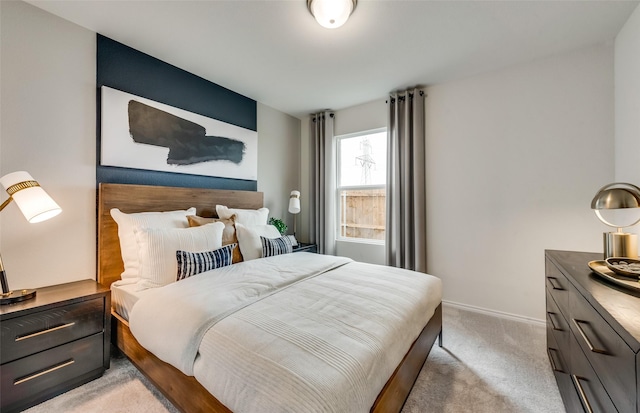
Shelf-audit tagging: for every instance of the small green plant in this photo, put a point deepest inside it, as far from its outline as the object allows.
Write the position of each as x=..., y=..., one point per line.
x=279, y=224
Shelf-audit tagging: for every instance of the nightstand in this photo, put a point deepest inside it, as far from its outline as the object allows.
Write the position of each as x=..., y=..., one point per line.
x=302, y=247
x=53, y=343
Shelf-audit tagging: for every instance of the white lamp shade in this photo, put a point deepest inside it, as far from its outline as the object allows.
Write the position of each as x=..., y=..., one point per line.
x=294, y=202
x=34, y=203
x=331, y=13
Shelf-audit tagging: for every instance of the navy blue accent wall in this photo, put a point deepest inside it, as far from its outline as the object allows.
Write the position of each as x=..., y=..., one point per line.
x=124, y=68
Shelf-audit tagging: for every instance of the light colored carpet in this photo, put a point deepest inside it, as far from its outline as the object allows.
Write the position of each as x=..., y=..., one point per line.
x=487, y=364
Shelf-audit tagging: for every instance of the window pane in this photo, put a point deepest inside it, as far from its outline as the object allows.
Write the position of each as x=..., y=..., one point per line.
x=362, y=213
x=363, y=160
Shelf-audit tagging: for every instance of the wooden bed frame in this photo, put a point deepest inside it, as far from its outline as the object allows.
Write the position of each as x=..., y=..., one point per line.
x=183, y=391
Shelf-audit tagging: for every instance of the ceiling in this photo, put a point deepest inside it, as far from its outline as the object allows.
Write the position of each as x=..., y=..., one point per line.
x=275, y=52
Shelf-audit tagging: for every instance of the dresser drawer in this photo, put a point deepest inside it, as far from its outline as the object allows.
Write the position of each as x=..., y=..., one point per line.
x=559, y=287
x=557, y=324
x=588, y=388
x=32, y=377
x=611, y=358
x=22, y=336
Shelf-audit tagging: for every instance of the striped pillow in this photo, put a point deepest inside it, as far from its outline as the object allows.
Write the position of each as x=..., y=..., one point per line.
x=192, y=263
x=276, y=246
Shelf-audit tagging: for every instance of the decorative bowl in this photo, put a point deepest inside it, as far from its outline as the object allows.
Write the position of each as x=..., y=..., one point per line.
x=629, y=267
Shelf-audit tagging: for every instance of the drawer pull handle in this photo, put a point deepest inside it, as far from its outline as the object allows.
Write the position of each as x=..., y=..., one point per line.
x=553, y=324
x=553, y=361
x=554, y=283
x=43, y=372
x=39, y=333
x=583, y=395
x=586, y=339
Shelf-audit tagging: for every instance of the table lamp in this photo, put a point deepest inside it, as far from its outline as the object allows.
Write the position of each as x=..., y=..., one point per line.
x=36, y=206
x=294, y=207
x=621, y=202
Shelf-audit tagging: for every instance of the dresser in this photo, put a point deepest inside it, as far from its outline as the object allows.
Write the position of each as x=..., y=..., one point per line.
x=53, y=343
x=593, y=336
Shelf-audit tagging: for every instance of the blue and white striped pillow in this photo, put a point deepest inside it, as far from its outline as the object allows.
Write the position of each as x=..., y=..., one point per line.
x=276, y=246
x=192, y=263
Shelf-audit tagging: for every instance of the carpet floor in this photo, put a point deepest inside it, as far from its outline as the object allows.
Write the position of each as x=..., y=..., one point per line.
x=486, y=364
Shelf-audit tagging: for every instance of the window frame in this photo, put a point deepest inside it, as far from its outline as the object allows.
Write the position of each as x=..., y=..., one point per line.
x=338, y=189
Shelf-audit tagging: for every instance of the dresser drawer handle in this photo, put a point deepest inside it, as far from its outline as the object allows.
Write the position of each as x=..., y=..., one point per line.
x=553, y=324
x=554, y=283
x=583, y=395
x=586, y=339
x=49, y=330
x=553, y=361
x=43, y=372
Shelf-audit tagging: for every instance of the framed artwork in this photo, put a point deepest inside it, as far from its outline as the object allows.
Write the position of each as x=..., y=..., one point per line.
x=140, y=133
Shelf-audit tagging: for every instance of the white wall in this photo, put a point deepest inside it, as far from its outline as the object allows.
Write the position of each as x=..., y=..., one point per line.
x=514, y=158
x=48, y=127
x=278, y=160
x=627, y=101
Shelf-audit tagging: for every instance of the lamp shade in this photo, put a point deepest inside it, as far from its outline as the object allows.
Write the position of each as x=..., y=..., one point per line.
x=34, y=203
x=294, y=202
x=331, y=13
x=617, y=196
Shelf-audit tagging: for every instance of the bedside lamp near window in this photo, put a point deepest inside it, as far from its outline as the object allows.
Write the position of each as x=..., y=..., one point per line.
x=36, y=206
x=294, y=207
x=621, y=203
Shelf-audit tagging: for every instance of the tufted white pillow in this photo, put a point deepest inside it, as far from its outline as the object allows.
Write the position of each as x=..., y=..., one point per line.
x=246, y=217
x=249, y=239
x=157, y=248
x=127, y=223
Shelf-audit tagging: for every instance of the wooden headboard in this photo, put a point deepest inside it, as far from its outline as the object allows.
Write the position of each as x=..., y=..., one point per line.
x=143, y=198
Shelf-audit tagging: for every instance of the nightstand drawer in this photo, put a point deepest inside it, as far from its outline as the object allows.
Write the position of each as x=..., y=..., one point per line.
x=611, y=358
x=30, y=377
x=40, y=331
x=558, y=286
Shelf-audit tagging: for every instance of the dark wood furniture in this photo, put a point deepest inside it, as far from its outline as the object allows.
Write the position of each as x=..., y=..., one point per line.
x=302, y=247
x=184, y=391
x=593, y=336
x=53, y=343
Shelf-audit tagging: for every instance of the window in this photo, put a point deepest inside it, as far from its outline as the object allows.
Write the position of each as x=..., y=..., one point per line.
x=361, y=186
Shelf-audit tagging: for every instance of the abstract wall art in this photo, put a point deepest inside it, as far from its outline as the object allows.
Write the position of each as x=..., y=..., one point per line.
x=140, y=133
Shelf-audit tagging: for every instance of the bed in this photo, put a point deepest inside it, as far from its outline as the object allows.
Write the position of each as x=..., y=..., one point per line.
x=184, y=390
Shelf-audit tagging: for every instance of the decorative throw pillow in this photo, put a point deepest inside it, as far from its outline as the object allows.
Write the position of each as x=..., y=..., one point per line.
x=276, y=246
x=127, y=223
x=246, y=217
x=158, y=246
x=228, y=235
x=249, y=239
x=192, y=263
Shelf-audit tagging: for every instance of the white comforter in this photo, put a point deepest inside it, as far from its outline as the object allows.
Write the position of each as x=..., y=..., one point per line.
x=292, y=333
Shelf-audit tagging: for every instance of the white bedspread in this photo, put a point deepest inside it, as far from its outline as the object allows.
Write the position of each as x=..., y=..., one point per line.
x=292, y=333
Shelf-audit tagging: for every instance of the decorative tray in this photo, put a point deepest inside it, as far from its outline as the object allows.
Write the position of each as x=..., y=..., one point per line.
x=601, y=269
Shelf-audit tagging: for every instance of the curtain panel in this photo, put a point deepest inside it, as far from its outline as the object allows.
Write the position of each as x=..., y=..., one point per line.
x=406, y=226
x=323, y=183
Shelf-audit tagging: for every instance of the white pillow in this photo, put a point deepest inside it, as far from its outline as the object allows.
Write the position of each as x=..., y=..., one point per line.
x=158, y=247
x=247, y=217
x=249, y=239
x=127, y=223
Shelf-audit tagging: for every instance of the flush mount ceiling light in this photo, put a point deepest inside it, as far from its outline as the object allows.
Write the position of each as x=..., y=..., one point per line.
x=331, y=13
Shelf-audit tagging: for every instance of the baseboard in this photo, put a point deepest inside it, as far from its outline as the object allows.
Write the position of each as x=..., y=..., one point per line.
x=495, y=313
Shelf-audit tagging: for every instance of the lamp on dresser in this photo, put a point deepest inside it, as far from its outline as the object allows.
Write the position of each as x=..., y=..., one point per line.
x=621, y=202
x=36, y=206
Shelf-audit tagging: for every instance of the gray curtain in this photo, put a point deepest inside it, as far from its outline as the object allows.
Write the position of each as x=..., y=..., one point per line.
x=323, y=178
x=406, y=226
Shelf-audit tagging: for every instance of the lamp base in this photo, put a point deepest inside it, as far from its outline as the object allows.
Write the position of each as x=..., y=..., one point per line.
x=620, y=244
x=17, y=296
